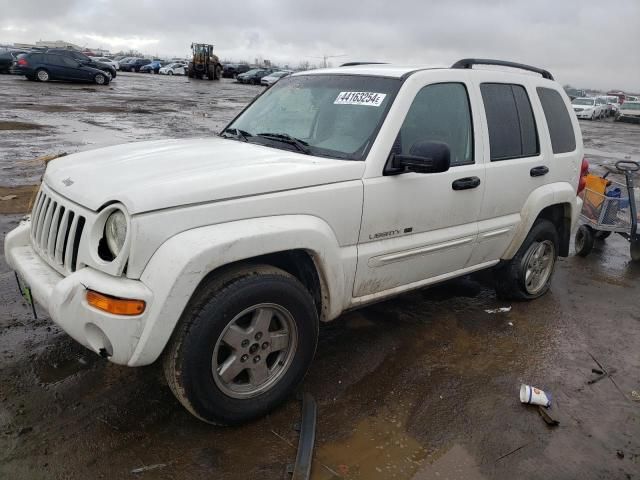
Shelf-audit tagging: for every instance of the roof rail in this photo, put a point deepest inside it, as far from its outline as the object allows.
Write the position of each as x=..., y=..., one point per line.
x=353, y=64
x=470, y=62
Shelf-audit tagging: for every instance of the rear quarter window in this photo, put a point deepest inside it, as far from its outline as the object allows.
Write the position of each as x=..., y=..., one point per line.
x=563, y=138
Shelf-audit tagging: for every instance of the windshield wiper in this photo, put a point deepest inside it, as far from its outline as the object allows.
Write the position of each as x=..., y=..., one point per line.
x=237, y=133
x=301, y=145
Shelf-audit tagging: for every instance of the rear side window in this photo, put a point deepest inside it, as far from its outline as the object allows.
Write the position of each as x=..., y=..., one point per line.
x=561, y=132
x=512, y=127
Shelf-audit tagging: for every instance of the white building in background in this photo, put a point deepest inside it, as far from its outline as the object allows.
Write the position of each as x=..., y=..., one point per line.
x=57, y=44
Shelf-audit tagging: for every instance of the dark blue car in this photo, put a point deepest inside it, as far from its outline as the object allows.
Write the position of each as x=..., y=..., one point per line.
x=46, y=66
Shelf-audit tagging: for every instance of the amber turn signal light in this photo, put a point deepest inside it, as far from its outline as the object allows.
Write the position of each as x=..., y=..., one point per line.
x=115, y=305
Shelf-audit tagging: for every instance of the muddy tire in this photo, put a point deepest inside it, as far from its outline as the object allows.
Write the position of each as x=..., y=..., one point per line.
x=243, y=344
x=170, y=72
x=217, y=72
x=42, y=75
x=528, y=274
x=584, y=241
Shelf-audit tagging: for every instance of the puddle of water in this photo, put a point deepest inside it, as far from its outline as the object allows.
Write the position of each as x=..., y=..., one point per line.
x=54, y=371
x=378, y=448
x=455, y=464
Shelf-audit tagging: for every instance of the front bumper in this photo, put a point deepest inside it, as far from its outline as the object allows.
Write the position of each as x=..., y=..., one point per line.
x=64, y=298
x=585, y=113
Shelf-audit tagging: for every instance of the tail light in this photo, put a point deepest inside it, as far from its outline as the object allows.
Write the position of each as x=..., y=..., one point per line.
x=22, y=62
x=584, y=170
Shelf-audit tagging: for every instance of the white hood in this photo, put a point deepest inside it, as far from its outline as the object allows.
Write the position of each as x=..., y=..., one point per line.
x=153, y=175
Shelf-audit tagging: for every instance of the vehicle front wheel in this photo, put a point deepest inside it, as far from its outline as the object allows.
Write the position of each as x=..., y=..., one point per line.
x=243, y=344
x=635, y=250
x=585, y=239
x=528, y=274
x=42, y=75
x=101, y=79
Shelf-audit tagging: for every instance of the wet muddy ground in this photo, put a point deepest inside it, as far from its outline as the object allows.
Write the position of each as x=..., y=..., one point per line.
x=424, y=386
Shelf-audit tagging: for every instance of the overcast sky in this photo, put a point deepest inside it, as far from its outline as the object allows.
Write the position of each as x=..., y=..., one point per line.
x=586, y=43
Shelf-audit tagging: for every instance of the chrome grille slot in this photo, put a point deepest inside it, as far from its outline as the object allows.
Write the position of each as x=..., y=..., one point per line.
x=56, y=231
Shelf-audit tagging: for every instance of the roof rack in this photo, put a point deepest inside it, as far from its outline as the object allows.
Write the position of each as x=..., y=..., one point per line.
x=470, y=62
x=353, y=64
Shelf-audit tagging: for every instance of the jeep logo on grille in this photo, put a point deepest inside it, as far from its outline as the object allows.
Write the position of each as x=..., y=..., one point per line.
x=67, y=182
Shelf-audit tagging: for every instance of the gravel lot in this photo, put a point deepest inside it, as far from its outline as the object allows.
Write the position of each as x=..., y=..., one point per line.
x=423, y=386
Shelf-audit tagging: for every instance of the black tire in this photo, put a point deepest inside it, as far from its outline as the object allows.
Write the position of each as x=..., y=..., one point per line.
x=188, y=357
x=101, y=79
x=635, y=250
x=42, y=75
x=602, y=234
x=170, y=72
x=584, y=240
x=217, y=75
x=510, y=276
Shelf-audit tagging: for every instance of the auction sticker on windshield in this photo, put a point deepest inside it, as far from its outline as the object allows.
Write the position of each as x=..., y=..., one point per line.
x=360, y=98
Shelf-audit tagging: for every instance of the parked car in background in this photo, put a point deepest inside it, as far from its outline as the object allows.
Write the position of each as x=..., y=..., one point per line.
x=8, y=58
x=46, y=66
x=631, y=98
x=575, y=93
x=135, y=65
x=85, y=60
x=254, y=76
x=230, y=70
x=629, y=112
x=123, y=61
x=274, y=77
x=152, y=67
x=108, y=61
x=587, y=107
x=612, y=105
x=173, y=69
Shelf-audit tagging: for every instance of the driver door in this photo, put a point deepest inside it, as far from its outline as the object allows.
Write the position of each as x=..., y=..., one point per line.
x=418, y=227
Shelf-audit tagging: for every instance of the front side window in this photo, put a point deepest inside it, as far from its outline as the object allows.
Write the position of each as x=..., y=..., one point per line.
x=336, y=116
x=512, y=126
x=439, y=113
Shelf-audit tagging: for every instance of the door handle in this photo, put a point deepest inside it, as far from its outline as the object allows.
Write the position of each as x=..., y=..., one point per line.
x=538, y=171
x=465, y=183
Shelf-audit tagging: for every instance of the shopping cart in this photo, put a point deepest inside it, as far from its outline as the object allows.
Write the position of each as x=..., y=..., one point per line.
x=610, y=206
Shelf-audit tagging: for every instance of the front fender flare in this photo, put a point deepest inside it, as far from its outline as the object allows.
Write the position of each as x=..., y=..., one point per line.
x=182, y=262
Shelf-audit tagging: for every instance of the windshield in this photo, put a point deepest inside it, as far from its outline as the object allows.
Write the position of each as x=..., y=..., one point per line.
x=583, y=101
x=631, y=106
x=335, y=116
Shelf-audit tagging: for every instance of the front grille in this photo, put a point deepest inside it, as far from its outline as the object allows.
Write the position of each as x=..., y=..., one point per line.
x=56, y=231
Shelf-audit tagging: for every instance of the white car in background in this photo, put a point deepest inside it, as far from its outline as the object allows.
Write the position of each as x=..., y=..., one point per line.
x=174, y=69
x=629, y=111
x=108, y=61
x=613, y=104
x=274, y=77
x=588, y=107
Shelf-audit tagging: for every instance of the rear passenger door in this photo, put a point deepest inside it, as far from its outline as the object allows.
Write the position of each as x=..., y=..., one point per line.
x=515, y=164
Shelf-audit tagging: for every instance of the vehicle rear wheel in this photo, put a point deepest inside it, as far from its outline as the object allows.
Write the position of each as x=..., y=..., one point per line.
x=584, y=240
x=170, y=72
x=217, y=72
x=101, y=79
x=528, y=274
x=243, y=344
x=42, y=75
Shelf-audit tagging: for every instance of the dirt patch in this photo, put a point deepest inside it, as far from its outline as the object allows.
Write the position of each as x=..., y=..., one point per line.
x=17, y=199
x=9, y=125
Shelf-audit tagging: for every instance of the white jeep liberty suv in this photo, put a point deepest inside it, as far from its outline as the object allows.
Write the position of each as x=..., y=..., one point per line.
x=333, y=189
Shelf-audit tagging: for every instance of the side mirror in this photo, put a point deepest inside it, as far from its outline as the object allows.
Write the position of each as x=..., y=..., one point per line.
x=424, y=157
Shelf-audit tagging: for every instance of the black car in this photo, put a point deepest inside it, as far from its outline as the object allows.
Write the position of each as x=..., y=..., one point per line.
x=230, y=70
x=8, y=58
x=135, y=65
x=85, y=60
x=45, y=66
x=254, y=76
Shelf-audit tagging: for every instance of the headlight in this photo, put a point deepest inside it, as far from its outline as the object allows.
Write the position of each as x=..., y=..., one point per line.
x=115, y=231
